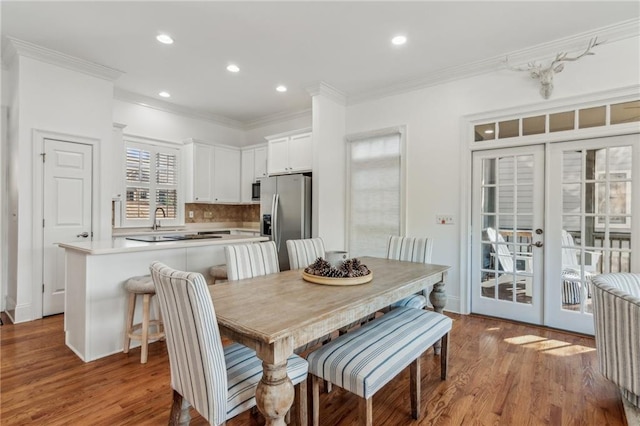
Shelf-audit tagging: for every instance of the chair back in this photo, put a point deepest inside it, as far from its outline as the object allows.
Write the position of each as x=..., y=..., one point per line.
x=410, y=249
x=569, y=252
x=502, y=251
x=196, y=355
x=251, y=260
x=304, y=252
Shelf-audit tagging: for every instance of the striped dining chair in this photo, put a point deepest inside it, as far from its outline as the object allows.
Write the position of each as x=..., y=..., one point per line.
x=410, y=249
x=304, y=252
x=219, y=382
x=251, y=260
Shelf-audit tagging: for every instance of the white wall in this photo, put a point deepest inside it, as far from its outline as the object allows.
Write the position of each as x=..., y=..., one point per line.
x=157, y=124
x=52, y=99
x=256, y=135
x=435, y=142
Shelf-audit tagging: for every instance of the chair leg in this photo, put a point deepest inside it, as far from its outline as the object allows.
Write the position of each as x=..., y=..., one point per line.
x=414, y=384
x=365, y=410
x=315, y=400
x=444, y=357
x=144, y=338
x=179, y=415
x=129, y=323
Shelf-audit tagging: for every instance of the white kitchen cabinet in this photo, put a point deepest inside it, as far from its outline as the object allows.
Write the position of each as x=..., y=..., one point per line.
x=226, y=175
x=211, y=173
x=254, y=168
x=289, y=153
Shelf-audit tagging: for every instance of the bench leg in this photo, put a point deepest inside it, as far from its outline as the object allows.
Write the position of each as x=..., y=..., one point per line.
x=301, y=403
x=365, y=411
x=414, y=384
x=444, y=357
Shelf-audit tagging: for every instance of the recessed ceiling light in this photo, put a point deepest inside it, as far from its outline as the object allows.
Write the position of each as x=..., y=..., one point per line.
x=165, y=94
x=488, y=131
x=399, y=40
x=164, y=38
x=233, y=68
x=281, y=88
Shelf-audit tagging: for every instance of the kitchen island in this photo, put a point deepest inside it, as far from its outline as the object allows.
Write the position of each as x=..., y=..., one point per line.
x=95, y=299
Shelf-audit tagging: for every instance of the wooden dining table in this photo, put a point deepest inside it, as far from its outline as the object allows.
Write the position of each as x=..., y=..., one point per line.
x=277, y=313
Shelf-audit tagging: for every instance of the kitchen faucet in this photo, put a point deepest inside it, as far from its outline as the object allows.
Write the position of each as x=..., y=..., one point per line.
x=156, y=225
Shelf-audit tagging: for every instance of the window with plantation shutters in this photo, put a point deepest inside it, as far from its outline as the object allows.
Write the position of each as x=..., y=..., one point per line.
x=151, y=182
x=375, y=191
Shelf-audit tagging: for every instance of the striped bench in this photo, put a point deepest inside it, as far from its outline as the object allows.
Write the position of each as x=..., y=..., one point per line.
x=364, y=360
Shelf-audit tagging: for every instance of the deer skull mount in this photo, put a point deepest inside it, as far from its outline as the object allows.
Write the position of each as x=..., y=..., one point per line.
x=545, y=75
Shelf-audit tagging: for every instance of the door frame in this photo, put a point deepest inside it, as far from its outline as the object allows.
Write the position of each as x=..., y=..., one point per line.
x=467, y=124
x=38, y=138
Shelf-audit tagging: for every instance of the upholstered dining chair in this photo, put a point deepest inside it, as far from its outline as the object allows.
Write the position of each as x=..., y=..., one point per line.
x=616, y=317
x=251, y=260
x=219, y=382
x=304, y=252
x=410, y=249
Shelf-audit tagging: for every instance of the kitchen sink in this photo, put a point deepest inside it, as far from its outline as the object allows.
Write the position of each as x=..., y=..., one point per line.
x=165, y=238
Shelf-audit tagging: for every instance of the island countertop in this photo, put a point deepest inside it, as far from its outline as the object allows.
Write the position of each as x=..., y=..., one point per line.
x=122, y=245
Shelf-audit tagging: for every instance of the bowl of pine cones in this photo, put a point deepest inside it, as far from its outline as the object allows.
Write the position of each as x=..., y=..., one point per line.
x=350, y=272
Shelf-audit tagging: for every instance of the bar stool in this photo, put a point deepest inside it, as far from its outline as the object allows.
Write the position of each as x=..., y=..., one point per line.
x=142, y=285
x=218, y=274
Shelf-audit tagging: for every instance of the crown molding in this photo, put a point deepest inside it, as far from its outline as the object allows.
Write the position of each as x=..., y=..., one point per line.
x=609, y=34
x=157, y=104
x=322, y=88
x=33, y=51
x=277, y=118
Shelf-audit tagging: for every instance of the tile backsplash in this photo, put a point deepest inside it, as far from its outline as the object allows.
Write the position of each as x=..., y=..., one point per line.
x=203, y=213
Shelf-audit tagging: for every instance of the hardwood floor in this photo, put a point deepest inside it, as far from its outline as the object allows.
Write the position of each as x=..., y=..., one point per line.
x=500, y=373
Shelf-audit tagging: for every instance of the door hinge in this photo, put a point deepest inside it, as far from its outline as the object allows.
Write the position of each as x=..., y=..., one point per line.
x=43, y=287
x=43, y=154
x=43, y=223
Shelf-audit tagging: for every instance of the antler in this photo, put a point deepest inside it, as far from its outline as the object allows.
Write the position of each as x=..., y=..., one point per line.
x=562, y=56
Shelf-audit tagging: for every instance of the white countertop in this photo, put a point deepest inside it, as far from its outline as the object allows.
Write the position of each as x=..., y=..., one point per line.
x=189, y=228
x=122, y=245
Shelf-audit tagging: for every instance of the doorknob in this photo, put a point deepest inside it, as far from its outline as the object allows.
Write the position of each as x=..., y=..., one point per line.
x=83, y=235
x=537, y=244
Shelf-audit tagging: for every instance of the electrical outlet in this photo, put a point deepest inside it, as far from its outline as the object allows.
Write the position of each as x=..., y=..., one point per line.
x=208, y=215
x=190, y=214
x=444, y=219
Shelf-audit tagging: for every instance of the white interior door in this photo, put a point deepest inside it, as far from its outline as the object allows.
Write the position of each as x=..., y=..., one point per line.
x=508, y=233
x=66, y=212
x=592, y=203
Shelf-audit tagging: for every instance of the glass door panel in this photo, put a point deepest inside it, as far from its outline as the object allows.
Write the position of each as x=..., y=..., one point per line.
x=590, y=194
x=508, y=208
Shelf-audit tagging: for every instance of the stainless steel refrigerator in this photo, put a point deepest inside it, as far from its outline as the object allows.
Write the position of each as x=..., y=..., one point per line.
x=285, y=211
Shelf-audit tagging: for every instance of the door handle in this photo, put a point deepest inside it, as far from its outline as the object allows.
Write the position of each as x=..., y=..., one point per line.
x=83, y=235
x=537, y=244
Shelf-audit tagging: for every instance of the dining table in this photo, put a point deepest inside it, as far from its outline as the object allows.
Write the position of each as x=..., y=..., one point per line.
x=275, y=314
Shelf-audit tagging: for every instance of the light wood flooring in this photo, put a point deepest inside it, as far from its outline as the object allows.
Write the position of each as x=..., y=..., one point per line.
x=500, y=373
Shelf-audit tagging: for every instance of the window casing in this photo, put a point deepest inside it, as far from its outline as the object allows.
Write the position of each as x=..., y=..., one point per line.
x=152, y=181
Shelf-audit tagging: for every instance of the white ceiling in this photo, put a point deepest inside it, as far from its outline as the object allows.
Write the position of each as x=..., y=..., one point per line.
x=298, y=44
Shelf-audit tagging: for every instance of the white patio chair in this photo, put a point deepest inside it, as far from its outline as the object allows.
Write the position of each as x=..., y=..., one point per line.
x=507, y=262
x=572, y=289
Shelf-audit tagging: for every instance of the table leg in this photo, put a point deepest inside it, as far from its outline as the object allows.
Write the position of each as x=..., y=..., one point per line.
x=274, y=395
x=438, y=299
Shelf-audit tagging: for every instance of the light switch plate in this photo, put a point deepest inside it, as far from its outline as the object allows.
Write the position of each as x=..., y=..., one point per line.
x=208, y=215
x=190, y=214
x=444, y=219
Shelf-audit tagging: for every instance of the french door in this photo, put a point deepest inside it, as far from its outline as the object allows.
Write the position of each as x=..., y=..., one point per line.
x=593, y=221
x=546, y=220
x=508, y=233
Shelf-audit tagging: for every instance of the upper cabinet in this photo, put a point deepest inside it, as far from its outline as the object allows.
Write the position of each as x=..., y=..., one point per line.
x=289, y=153
x=212, y=173
x=254, y=168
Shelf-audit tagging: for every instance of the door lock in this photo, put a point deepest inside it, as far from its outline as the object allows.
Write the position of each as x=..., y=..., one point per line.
x=539, y=231
x=83, y=235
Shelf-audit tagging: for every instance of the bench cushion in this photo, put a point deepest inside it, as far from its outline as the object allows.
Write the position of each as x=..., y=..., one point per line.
x=364, y=360
x=415, y=301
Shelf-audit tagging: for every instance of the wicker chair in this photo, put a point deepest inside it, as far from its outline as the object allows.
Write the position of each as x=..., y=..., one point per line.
x=616, y=314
